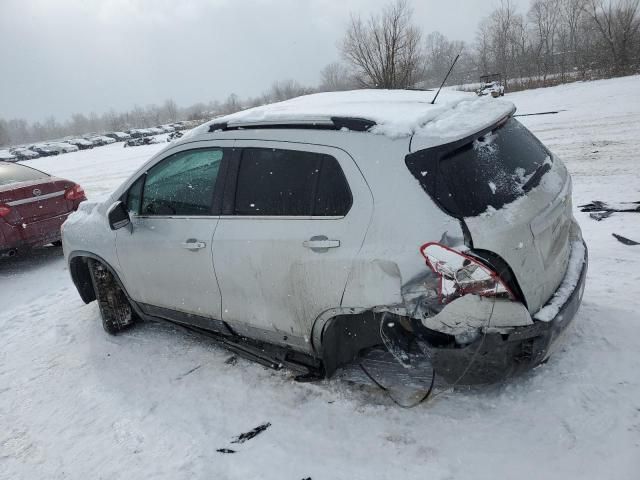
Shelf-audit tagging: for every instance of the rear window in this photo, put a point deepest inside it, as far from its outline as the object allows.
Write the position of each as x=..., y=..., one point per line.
x=489, y=171
x=14, y=173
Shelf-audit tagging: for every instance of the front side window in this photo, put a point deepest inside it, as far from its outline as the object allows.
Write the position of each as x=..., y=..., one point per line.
x=181, y=184
x=274, y=182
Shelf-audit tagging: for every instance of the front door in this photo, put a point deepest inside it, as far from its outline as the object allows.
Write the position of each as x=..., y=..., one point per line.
x=284, y=248
x=166, y=258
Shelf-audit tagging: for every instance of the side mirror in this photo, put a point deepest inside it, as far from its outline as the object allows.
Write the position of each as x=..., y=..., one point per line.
x=118, y=216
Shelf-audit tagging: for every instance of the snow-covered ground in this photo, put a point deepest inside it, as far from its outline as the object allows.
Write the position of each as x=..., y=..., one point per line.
x=157, y=403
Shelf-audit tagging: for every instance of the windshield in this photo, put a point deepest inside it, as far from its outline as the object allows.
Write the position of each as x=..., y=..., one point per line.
x=489, y=171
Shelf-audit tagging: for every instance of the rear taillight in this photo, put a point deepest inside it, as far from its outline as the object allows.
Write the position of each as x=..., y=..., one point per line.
x=4, y=210
x=461, y=274
x=74, y=193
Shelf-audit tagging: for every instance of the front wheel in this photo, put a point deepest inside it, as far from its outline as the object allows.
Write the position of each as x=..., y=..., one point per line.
x=115, y=309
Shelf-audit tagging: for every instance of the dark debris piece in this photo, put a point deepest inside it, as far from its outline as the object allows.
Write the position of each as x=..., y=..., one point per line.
x=626, y=241
x=597, y=216
x=243, y=437
x=189, y=372
x=600, y=206
x=225, y=450
x=232, y=360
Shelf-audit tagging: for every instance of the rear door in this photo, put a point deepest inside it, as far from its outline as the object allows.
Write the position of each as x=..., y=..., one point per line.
x=166, y=257
x=294, y=218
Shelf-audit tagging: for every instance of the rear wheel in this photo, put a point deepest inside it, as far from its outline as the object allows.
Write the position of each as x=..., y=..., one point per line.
x=115, y=309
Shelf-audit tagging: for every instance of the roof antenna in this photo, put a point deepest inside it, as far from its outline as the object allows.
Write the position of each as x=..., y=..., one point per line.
x=445, y=79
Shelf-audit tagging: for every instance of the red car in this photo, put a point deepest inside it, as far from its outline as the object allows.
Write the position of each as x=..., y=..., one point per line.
x=33, y=206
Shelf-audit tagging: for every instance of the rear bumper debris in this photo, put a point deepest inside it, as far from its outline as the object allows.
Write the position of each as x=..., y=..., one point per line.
x=493, y=355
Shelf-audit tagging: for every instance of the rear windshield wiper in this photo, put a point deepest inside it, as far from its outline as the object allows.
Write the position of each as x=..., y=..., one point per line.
x=536, y=177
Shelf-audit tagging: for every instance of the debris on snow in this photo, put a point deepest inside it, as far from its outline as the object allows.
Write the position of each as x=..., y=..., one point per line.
x=600, y=206
x=625, y=240
x=225, y=450
x=243, y=437
x=188, y=372
x=598, y=216
x=232, y=360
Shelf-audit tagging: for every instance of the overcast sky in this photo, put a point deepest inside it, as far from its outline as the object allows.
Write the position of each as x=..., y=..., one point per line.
x=58, y=57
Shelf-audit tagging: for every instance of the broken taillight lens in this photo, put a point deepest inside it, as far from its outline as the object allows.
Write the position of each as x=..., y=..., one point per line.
x=75, y=193
x=461, y=274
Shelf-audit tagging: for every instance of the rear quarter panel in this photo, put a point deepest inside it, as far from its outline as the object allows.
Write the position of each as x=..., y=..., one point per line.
x=404, y=218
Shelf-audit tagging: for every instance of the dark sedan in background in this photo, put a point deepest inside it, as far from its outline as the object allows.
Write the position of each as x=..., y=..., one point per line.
x=33, y=206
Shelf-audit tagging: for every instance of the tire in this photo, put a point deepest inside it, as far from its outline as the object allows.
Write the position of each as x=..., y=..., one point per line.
x=115, y=309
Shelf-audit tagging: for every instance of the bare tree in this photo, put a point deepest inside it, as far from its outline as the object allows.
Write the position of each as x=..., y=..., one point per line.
x=618, y=24
x=385, y=50
x=505, y=26
x=335, y=77
x=571, y=18
x=284, y=90
x=439, y=54
x=545, y=16
x=5, y=138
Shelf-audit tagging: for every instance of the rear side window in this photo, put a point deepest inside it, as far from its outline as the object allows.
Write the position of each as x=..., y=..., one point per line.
x=274, y=182
x=14, y=173
x=489, y=171
x=181, y=184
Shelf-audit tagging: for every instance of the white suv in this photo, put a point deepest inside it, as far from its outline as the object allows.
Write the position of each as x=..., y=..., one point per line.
x=307, y=232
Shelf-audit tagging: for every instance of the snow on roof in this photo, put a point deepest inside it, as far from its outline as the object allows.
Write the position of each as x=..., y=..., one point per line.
x=397, y=113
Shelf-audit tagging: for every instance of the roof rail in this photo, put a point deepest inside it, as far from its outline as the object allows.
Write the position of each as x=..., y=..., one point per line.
x=333, y=123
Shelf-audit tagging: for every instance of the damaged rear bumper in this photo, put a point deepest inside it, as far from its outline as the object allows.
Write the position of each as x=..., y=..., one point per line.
x=496, y=355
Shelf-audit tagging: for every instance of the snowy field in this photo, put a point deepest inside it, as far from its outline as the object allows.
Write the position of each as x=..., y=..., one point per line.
x=157, y=403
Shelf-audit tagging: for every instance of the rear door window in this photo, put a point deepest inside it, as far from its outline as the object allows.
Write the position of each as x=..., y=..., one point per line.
x=15, y=173
x=276, y=182
x=491, y=171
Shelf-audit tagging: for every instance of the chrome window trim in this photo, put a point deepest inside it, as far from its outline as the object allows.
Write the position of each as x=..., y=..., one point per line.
x=279, y=217
x=173, y=217
x=35, y=199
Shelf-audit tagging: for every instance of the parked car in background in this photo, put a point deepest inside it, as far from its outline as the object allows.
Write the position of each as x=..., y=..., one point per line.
x=45, y=150
x=118, y=136
x=451, y=241
x=491, y=85
x=100, y=140
x=7, y=156
x=174, y=136
x=81, y=143
x=24, y=153
x=155, y=130
x=64, y=147
x=139, y=132
x=107, y=140
x=167, y=128
x=33, y=206
x=137, y=142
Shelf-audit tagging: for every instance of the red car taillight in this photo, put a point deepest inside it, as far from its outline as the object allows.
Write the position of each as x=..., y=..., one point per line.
x=462, y=274
x=74, y=193
x=4, y=210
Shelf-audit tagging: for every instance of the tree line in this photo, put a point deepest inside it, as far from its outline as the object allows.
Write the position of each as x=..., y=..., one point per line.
x=554, y=41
